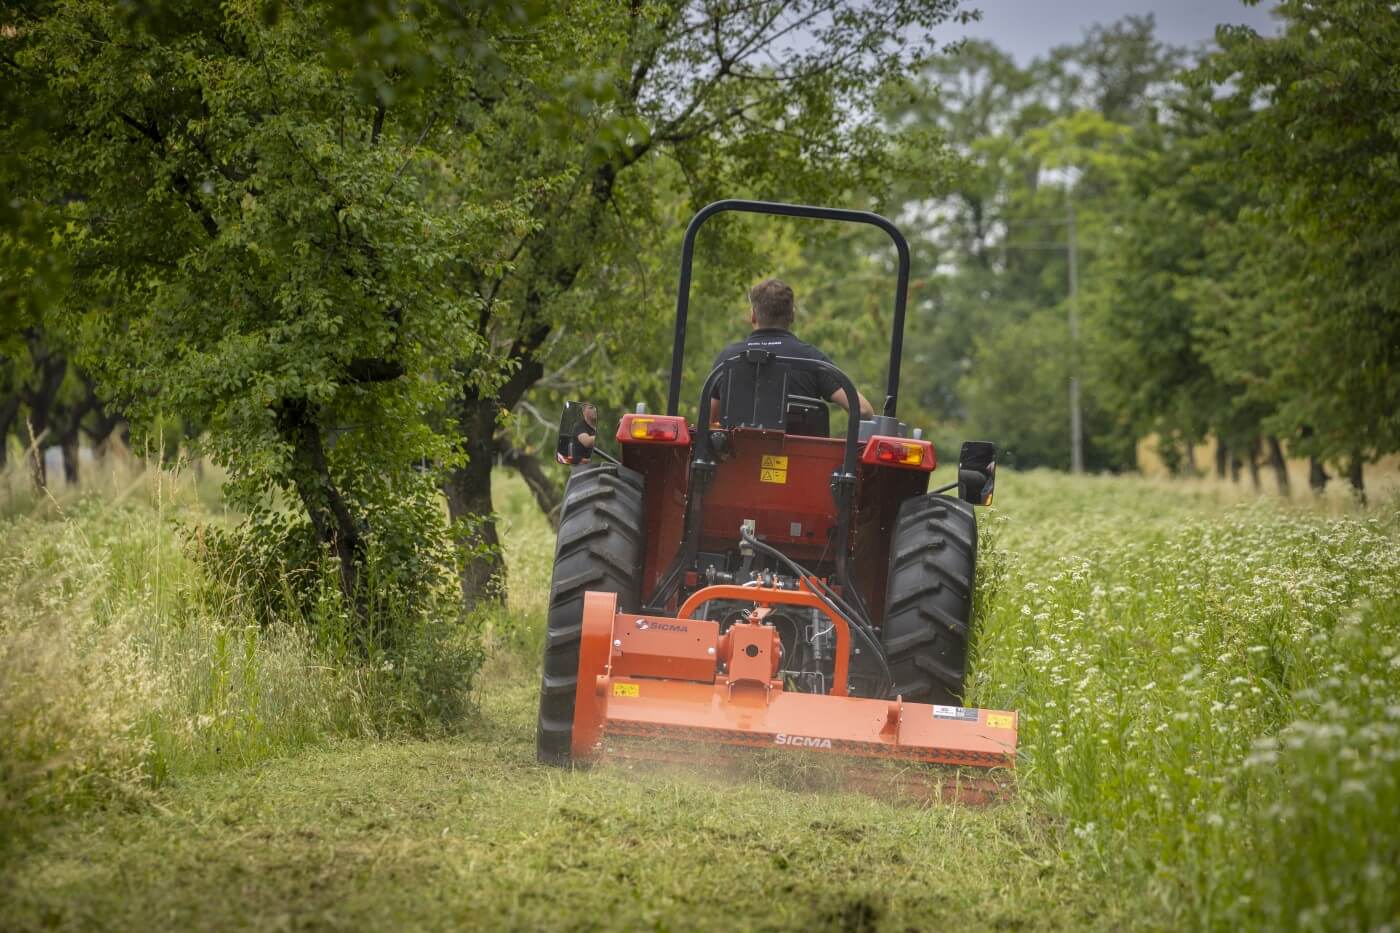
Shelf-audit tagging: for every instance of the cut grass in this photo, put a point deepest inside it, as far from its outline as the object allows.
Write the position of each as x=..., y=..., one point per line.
x=474, y=834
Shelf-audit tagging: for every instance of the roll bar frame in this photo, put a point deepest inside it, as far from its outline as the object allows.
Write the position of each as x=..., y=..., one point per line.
x=790, y=210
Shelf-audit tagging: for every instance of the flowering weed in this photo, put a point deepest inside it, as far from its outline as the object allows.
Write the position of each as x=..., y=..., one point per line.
x=1210, y=700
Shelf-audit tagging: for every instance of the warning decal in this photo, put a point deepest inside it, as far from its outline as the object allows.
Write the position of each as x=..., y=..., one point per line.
x=999, y=720
x=773, y=469
x=955, y=712
x=627, y=690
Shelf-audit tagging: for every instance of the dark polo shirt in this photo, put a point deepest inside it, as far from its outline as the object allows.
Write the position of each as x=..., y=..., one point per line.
x=776, y=340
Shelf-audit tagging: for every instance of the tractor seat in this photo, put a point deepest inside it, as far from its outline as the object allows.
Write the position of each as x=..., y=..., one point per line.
x=754, y=394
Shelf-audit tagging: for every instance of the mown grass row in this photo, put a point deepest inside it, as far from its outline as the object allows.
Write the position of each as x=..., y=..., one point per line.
x=1209, y=697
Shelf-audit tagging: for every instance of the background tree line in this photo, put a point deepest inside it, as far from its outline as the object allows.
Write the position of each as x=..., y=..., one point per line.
x=1234, y=215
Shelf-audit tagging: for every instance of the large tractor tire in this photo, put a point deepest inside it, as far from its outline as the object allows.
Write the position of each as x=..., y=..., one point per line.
x=599, y=548
x=928, y=600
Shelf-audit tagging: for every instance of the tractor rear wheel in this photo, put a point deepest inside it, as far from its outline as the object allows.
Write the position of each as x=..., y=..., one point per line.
x=928, y=600
x=599, y=548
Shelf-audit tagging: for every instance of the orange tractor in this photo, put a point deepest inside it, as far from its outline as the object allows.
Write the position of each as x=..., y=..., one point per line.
x=750, y=581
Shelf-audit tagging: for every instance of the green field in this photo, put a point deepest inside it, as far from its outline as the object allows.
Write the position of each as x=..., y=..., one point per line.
x=1210, y=707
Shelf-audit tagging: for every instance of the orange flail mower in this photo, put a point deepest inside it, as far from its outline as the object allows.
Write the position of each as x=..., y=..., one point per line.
x=745, y=581
x=660, y=678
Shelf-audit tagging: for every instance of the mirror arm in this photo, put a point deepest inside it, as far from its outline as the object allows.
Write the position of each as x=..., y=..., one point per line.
x=942, y=489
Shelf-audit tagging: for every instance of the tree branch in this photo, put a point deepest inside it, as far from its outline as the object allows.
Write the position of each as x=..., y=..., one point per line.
x=368, y=370
x=378, y=126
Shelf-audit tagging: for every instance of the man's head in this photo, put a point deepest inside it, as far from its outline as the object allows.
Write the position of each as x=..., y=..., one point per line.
x=771, y=304
x=590, y=413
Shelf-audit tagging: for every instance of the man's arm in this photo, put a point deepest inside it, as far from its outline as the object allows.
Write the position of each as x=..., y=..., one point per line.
x=839, y=397
x=585, y=439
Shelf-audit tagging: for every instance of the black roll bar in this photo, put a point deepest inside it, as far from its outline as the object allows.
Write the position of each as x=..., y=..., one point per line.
x=789, y=210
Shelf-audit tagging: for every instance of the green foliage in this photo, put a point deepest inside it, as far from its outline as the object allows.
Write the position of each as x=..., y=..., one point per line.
x=707, y=101
x=268, y=249
x=989, y=334
x=344, y=239
x=1317, y=151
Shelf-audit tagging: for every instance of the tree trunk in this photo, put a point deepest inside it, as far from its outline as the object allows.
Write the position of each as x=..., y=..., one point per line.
x=1191, y=469
x=469, y=505
x=1235, y=465
x=1317, y=476
x=67, y=424
x=1222, y=458
x=103, y=431
x=9, y=411
x=1280, y=466
x=69, y=445
x=39, y=399
x=546, y=492
x=1355, y=478
x=335, y=527
x=468, y=487
x=1254, y=462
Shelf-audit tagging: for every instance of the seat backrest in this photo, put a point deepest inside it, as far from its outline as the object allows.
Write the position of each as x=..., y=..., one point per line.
x=754, y=392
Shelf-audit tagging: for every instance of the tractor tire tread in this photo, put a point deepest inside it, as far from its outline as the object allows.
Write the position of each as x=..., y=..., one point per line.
x=601, y=533
x=928, y=603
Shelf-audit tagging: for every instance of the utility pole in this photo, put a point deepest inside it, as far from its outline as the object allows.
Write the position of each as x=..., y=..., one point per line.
x=1076, y=426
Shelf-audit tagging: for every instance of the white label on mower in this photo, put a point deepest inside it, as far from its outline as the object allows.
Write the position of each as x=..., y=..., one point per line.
x=804, y=741
x=954, y=712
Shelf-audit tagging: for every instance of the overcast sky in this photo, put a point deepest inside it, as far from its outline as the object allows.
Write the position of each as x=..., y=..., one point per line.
x=1028, y=28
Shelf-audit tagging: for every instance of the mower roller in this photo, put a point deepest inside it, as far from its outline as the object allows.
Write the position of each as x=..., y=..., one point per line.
x=748, y=581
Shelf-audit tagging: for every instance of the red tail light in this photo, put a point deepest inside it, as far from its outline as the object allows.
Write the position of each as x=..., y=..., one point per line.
x=898, y=452
x=653, y=429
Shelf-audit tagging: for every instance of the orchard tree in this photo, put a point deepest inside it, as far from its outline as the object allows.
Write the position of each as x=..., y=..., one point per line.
x=1151, y=303
x=330, y=232
x=1318, y=153
x=269, y=243
x=772, y=99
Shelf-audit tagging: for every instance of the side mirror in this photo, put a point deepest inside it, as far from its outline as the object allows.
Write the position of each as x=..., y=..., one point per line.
x=977, y=472
x=578, y=433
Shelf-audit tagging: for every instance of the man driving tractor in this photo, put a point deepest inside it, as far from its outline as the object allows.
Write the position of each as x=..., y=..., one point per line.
x=771, y=311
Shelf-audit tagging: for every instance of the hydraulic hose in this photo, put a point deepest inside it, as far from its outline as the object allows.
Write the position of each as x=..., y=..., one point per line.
x=823, y=593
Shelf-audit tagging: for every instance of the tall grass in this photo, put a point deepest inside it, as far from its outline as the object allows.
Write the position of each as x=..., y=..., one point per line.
x=1210, y=698
x=126, y=663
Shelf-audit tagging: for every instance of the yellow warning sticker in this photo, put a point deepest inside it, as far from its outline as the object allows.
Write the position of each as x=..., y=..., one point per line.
x=772, y=469
x=997, y=720
x=774, y=463
x=627, y=690
x=772, y=476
